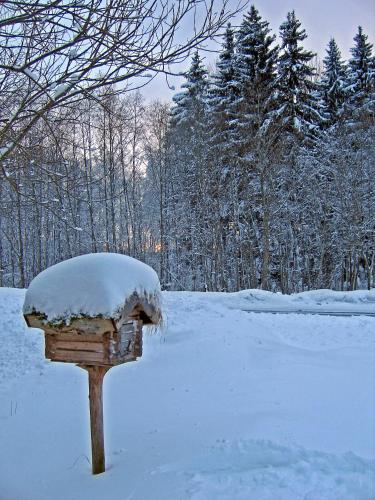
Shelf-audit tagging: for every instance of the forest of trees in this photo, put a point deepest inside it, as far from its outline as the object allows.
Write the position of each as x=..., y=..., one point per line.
x=261, y=174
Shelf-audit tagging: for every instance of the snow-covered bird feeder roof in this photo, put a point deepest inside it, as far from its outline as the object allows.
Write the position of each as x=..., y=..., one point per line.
x=102, y=285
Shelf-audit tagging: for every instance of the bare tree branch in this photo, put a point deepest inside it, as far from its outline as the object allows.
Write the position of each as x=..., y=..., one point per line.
x=54, y=52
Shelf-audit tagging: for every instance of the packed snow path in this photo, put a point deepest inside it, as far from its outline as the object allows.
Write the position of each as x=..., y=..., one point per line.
x=224, y=404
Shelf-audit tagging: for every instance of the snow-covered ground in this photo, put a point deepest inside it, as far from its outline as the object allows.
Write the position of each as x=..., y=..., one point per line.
x=224, y=404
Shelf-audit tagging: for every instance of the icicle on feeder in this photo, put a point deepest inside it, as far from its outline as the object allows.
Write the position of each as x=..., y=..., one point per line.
x=92, y=309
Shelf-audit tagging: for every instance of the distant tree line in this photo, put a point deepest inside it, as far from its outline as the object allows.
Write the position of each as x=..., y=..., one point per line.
x=62, y=65
x=261, y=174
x=268, y=167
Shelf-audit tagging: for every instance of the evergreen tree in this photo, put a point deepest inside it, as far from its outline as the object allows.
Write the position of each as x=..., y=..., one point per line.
x=361, y=80
x=188, y=138
x=224, y=78
x=221, y=96
x=297, y=101
x=256, y=61
x=332, y=85
x=222, y=162
x=189, y=104
x=188, y=117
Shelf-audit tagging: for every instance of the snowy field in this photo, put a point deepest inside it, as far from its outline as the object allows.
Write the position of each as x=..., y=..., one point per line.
x=224, y=404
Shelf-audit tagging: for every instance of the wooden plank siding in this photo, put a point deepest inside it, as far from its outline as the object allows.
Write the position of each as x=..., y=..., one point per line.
x=73, y=349
x=92, y=341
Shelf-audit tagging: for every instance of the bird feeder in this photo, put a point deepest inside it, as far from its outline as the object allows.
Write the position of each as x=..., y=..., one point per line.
x=95, y=333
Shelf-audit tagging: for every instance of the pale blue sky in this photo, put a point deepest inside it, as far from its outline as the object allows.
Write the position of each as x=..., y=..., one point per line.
x=322, y=19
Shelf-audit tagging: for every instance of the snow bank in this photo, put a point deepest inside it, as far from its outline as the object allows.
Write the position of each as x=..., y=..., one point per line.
x=90, y=285
x=316, y=301
x=317, y=297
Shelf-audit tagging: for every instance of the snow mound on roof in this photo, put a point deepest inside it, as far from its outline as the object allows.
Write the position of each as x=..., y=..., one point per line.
x=90, y=285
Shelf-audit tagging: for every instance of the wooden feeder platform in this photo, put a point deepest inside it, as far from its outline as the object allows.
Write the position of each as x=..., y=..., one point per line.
x=98, y=341
x=96, y=344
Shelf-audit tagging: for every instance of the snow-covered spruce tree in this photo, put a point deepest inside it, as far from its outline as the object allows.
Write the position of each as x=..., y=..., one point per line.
x=256, y=59
x=256, y=134
x=315, y=208
x=222, y=165
x=297, y=101
x=361, y=78
x=222, y=92
x=188, y=141
x=332, y=84
x=299, y=126
x=189, y=104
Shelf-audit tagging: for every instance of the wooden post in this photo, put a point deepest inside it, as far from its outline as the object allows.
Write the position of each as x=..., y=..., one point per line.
x=96, y=376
